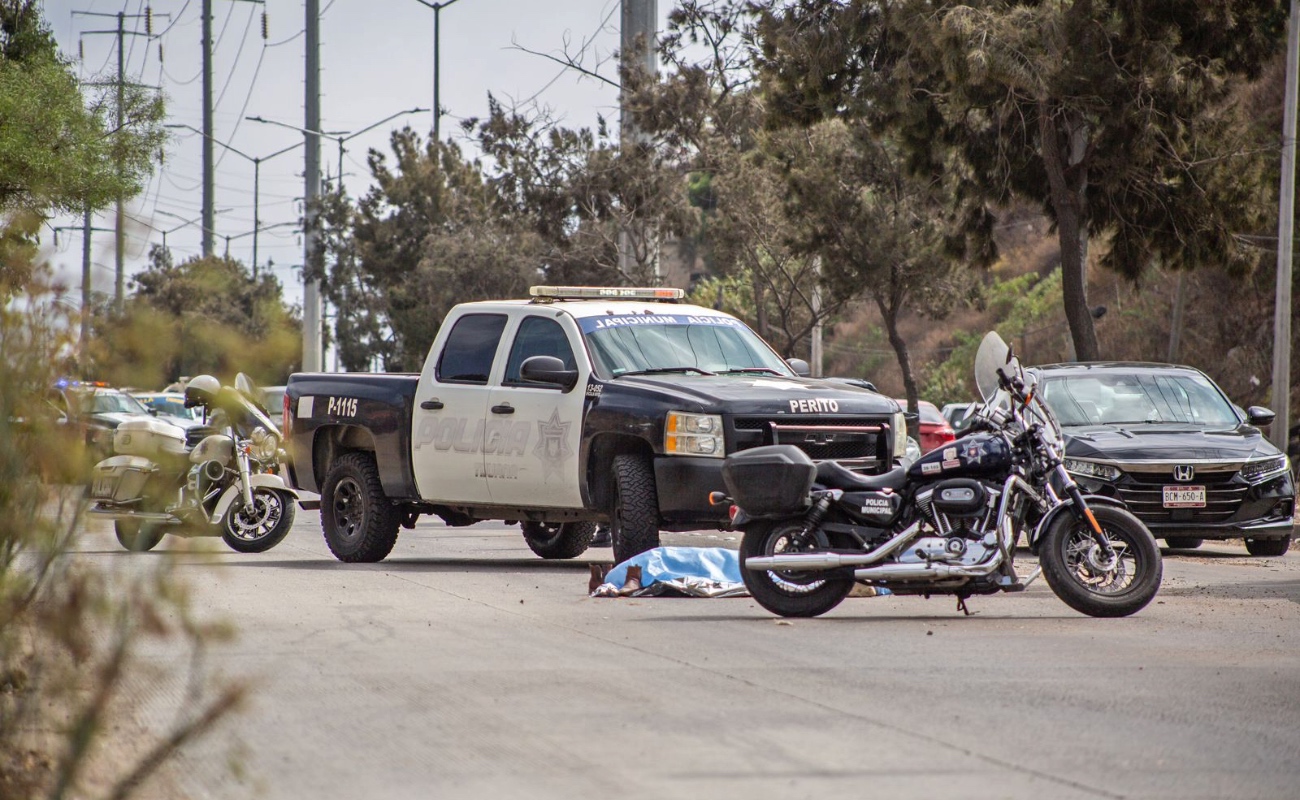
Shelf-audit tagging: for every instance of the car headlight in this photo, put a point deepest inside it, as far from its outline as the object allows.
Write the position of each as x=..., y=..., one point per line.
x=1265, y=468
x=900, y=435
x=1092, y=469
x=266, y=445
x=694, y=435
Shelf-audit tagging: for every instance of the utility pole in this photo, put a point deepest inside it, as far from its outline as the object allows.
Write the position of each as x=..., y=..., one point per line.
x=312, y=357
x=86, y=227
x=209, y=163
x=1285, y=224
x=209, y=180
x=119, y=246
x=636, y=52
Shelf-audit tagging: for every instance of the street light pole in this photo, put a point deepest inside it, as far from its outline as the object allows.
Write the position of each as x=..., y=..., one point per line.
x=339, y=136
x=313, y=356
x=257, y=177
x=437, y=38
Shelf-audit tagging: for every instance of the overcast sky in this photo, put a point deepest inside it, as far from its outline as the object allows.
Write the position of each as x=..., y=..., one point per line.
x=376, y=59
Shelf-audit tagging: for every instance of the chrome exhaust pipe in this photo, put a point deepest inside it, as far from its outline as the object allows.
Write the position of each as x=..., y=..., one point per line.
x=922, y=571
x=815, y=561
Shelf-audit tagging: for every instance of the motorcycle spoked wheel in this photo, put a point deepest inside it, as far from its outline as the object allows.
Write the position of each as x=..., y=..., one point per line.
x=789, y=593
x=260, y=527
x=1079, y=573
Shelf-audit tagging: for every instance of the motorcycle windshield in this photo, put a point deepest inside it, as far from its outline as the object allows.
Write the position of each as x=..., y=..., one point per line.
x=991, y=356
x=245, y=411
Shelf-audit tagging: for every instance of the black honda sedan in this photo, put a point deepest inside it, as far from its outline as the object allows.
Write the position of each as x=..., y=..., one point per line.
x=1168, y=443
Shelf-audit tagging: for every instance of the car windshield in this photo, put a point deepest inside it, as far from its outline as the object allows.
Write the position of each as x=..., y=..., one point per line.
x=1128, y=398
x=928, y=412
x=670, y=343
x=115, y=403
x=172, y=406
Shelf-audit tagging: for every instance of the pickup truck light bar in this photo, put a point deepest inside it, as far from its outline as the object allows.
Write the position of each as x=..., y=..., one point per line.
x=545, y=294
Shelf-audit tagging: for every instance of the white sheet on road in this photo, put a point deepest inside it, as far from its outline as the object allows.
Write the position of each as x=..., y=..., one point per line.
x=690, y=571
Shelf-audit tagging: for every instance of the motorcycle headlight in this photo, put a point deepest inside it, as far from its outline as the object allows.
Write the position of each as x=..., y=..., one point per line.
x=900, y=434
x=265, y=444
x=694, y=435
x=1092, y=469
x=1265, y=468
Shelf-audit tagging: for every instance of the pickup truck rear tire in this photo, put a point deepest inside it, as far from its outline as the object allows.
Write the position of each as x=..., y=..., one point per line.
x=559, y=540
x=634, y=520
x=359, y=523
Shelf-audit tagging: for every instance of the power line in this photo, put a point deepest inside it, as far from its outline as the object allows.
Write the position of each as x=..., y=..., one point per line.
x=242, y=41
x=247, y=97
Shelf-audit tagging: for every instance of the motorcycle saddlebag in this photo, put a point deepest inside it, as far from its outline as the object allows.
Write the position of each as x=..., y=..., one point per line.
x=149, y=438
x=120, y=479
x=769, y=480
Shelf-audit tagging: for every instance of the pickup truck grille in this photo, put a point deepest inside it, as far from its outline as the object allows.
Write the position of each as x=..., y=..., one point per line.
x=1142, y=492
x=858, y=442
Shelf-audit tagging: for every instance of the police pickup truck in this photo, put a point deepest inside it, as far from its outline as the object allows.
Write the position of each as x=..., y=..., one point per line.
x=580, y=405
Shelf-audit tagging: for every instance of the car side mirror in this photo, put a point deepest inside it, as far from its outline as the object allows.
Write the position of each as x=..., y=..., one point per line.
x=1259, y=416
x=800, y=367
x=549, y=370
x=153, y=412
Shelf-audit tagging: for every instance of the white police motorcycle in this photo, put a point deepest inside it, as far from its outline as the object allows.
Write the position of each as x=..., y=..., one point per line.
x=227, y=483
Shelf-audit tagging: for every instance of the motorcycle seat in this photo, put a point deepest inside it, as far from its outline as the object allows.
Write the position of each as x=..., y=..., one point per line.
x=834, y=476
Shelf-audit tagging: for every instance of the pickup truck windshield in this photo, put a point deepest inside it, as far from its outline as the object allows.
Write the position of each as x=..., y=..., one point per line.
x=673, y=342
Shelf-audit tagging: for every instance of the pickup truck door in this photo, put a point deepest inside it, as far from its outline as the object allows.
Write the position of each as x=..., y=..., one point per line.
x=450, y=414
x=534, y=459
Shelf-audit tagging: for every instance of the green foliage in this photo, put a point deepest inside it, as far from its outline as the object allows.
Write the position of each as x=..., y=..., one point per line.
x=206, y=315
x=56, y=153
x=1016, y=307
x=70, y=632
x=1116, y=116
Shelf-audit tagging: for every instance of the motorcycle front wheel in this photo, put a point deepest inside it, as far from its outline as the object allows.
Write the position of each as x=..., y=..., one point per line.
x=1087, y=580
x=260, y=527
x=789, y=593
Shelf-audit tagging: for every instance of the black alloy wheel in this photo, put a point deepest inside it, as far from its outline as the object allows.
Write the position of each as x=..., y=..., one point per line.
x=357, y=519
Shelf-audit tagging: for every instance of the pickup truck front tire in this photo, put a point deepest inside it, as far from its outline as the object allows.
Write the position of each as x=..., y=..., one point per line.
x=634, y=520
x=559, y=539
x=359, y=523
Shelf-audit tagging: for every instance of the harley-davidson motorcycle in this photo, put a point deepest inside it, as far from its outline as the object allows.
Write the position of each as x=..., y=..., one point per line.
x=221, y=479
x=948, y=523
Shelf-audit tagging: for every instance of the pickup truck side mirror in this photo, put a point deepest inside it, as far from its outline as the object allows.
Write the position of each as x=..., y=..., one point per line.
x=548, y=369
x=800, y=367
x=1259, y=416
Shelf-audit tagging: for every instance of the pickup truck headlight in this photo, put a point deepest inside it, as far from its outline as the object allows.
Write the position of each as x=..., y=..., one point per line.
x=694, y=435
x=1262, y=470
x=266, y=445
x=900, y=435
x=1091, y=469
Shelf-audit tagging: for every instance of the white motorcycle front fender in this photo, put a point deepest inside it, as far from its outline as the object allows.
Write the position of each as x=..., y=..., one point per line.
x=260, y=480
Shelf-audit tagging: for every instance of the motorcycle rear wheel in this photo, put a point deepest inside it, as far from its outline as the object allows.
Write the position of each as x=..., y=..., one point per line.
x=262, y=527
x=138, y=537
x=1078, y=573
x=788, y=593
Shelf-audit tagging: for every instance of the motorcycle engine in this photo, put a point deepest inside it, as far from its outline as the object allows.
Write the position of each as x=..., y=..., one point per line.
x=204, y=480
x=961, y=514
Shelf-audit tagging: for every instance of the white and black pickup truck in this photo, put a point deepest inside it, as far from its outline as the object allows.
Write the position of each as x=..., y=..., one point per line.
x=580, y=405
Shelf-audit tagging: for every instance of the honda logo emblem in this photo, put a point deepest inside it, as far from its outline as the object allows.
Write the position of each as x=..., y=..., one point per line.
x=1184, y=473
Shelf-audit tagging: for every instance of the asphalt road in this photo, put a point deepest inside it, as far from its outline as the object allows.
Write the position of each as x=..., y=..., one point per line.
x=465, y=667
